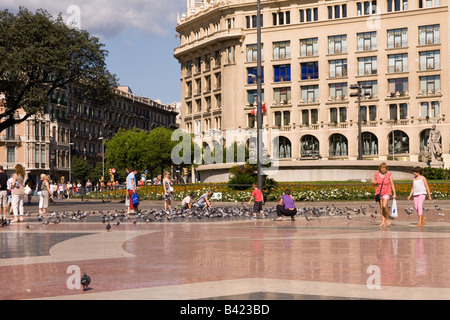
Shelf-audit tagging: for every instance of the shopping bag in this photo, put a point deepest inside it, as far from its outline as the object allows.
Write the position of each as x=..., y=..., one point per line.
x=135, y=199
x=394, y=212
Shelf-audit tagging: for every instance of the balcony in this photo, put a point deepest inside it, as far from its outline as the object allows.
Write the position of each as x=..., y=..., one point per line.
x=10, y=139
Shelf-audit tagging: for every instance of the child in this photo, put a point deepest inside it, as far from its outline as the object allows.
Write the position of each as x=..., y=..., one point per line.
x=257, y=206
x=419, y=189
x=187, y=202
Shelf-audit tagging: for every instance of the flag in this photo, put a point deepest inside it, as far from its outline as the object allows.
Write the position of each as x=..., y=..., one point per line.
x=263, y=107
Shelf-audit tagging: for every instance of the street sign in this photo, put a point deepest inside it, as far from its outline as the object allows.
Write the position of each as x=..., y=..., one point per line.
x=113, y=170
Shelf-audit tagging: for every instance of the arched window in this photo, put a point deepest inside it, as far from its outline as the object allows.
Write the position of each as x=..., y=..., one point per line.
x=370, y=143
x=338, y=145
x=282, y=147
x=401, y=142
x=309, y=146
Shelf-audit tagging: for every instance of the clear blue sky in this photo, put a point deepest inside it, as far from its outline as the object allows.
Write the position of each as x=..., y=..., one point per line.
x=139, y=35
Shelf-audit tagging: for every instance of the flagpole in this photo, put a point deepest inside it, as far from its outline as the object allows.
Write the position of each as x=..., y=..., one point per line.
x=259, y=115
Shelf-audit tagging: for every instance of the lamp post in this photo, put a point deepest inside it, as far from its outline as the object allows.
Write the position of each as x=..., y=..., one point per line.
x=103, y=157
x=70, y=160
x=358, y=87
x=259, y=116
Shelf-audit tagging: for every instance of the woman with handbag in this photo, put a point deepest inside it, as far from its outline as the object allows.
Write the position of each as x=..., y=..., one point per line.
x=168, y=191
x=385, y=188
x=131, y=190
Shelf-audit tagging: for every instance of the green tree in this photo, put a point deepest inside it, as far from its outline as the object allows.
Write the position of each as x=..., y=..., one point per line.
x=127, y=149
x=160, y=151
x=38, y=55
x=81, y=169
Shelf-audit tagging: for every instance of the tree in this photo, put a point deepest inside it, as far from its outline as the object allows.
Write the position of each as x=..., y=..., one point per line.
x=81, y=169
x=160, y=152
x=128, y=149
x=38, y=55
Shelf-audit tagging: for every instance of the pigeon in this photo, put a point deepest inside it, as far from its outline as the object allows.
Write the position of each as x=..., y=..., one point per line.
x=108, y=227
x=85, y=281
x=349, y=217
x=308, y=218
x=438, y=210
x=408, y=212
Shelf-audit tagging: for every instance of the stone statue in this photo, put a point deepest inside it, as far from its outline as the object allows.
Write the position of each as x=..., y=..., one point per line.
x=434, y=144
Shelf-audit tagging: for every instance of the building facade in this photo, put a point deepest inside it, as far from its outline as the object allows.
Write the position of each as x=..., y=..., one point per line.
x=70, y=126
x=312, y=52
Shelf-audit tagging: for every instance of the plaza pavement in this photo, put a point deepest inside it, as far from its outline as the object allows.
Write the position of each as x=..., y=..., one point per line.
x=241, y=259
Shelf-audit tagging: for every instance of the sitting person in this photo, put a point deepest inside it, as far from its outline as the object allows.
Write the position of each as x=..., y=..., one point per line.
x=204, y=201
x=286, y=207
x=187, y=201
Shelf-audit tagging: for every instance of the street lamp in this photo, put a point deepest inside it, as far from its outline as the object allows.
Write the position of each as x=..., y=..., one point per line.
x=259, y=116
x=70, y=160
x=103, y=157
x=358, y=94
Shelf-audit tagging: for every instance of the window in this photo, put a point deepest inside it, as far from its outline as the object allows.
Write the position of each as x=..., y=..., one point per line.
x=367, y=66
x=189, y=89
x=230, y=23
x=337, y=11
x=338, y=68
x=207, y=83
x=309, y=70
x=281, y=50
x=282, y=95
x=401, y=142
x=310, y=93
x=397, y=38
x=398, y=111
x=430, y=60
x=253, y=96
x=11, y=154
x=367, y=41
x=366, y=7
x=230, y=54
x=309, y=47
x=337, y=44
x=198, y=104
x=430, y=109
x=429, y=3
x=309, y=146
x=430, y=84
x=198, y=65
x=252, y=73
x=397, y=5
x=198, y=86
x=252, y=52
x=207, y=61
x=338, y=115
x=282, y=147
x=368, y=113
x=429, y=35
x=310, y=116
x=218, y=98
x=189, y=107
x=338, y=145
x=281, y=18
x=370, y=143
x=218, y=81
x=251, y=120
x=369, y=93
x=308, y=15
x=217, y=58
x=338, y=91
x=252, y=21
x=282, y=73
x=398, y=87
x=397, y=63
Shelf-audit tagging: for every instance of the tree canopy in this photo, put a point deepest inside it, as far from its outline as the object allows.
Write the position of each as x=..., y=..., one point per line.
x=39, y=54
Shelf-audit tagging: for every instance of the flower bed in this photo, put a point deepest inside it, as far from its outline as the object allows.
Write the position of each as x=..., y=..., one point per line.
x=300, y=192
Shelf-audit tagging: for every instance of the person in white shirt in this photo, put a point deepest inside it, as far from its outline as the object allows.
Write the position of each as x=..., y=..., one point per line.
x=187, y=201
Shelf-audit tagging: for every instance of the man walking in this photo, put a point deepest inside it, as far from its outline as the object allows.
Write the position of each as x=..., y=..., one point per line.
x=131, y=189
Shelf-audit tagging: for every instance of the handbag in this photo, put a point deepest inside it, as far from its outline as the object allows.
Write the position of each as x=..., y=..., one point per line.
x=135, y=199
x=378, y=195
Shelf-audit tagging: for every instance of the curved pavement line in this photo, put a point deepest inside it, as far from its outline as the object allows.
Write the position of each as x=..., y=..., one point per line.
x=100, y=245
x=224, y=288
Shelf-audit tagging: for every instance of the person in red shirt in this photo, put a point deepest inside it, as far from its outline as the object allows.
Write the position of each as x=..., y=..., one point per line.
x=259, y=200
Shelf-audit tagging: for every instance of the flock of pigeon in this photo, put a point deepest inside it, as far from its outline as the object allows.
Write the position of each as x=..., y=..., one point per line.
x=116, y=217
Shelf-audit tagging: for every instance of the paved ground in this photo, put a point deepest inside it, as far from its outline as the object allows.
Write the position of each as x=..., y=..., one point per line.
x=326, y=258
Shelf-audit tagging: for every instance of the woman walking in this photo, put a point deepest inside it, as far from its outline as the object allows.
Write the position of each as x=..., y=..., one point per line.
x=419, y=190
x=385, y=187
x=45, y=193
x=168, y=191
x=17, y=192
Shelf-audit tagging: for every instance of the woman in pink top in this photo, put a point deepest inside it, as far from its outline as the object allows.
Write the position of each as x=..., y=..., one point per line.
x=385, y=183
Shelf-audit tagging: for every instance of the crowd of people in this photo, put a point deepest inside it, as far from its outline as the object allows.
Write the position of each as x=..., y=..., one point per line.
x=13, y=190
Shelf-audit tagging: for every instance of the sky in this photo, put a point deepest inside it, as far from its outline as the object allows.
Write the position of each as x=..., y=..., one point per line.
x=139, y=35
